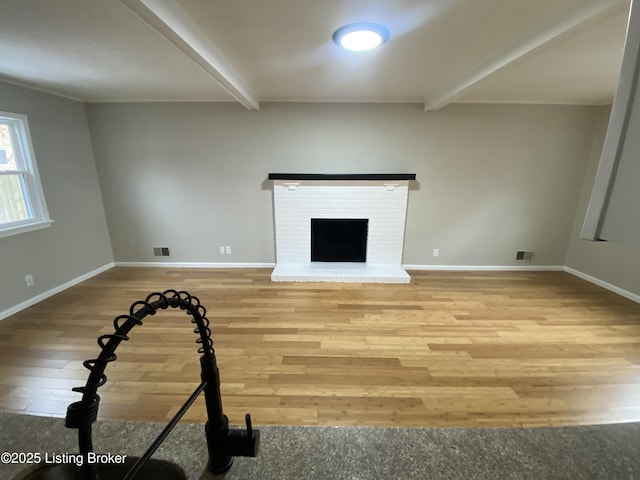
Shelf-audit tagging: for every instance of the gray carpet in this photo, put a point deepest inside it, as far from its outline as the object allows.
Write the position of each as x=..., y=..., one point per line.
x=607, y=452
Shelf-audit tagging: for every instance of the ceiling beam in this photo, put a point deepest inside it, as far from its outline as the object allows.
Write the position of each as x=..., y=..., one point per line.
x=624, y=102
x=172, y=23
x=587, y=11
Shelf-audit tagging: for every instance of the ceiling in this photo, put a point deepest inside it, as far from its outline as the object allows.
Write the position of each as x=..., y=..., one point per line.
x=252, y=51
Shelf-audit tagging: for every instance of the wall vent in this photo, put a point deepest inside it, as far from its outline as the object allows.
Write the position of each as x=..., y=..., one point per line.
x=160, y=251
x=524, y=256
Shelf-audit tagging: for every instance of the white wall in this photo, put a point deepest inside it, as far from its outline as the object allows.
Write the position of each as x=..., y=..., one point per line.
x=492, y=179
x=614, y=263
x=78, y=241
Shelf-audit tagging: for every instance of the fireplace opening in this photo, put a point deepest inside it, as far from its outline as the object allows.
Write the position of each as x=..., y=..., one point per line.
x=339, y=239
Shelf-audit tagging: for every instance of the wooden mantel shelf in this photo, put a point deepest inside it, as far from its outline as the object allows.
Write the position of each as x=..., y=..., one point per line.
x=342, y=176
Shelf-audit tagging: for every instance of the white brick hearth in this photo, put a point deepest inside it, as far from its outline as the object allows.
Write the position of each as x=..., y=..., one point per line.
x=382, y=202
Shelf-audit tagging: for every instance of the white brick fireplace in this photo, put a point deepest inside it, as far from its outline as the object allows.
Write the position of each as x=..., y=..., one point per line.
x=379, y=198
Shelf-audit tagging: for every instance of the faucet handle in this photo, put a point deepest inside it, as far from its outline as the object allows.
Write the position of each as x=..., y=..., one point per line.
x=247, y=419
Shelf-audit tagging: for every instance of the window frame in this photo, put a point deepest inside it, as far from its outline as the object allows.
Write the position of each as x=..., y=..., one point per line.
x=28, y=177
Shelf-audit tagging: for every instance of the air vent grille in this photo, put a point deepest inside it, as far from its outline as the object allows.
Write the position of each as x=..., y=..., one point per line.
x=161, y=251
x=524, y=255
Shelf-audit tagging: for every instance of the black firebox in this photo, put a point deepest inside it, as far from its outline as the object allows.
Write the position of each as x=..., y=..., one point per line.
x=339, y=239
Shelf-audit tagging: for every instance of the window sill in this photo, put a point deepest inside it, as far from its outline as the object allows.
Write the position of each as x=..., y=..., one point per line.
x=25, y=227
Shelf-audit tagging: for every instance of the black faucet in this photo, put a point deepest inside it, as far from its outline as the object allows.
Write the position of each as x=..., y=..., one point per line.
x=223, y=444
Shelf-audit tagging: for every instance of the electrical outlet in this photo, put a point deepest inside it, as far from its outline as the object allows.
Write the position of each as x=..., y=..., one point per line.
x=29, y=280
x=221, y=250
x=436, y=252
x=227, y=250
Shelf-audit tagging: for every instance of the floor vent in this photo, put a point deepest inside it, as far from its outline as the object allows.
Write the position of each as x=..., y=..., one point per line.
x=160, y=251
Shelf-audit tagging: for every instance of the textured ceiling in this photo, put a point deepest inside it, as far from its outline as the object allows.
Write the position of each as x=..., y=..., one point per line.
x=440, y=51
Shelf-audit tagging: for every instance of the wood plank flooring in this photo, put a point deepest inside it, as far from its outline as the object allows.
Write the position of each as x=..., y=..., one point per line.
x=449, y=349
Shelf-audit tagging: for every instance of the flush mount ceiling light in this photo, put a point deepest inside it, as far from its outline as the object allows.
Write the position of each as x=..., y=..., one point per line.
x=360, y=36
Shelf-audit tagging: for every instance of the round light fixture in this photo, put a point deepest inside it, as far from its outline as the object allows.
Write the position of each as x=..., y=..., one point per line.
x=360, y=36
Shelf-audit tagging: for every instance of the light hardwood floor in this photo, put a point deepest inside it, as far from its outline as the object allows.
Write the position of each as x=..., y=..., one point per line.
x=449, y=349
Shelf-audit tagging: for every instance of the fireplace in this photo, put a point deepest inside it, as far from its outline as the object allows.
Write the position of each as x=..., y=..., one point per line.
x=339, y=239
x=340, y=228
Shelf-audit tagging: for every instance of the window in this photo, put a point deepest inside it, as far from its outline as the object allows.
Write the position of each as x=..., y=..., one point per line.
x=22, y=204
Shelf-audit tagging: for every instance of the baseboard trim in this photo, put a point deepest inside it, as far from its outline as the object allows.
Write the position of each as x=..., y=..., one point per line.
x=601, y=283
x=194, y=265
x=497, y=268
x=487, y=268
x=49, y=293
